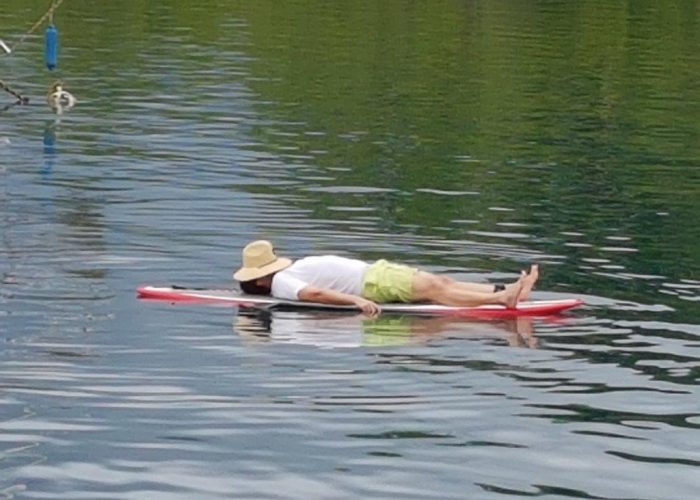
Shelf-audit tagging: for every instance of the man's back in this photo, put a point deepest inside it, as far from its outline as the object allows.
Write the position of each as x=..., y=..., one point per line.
x=325, y=271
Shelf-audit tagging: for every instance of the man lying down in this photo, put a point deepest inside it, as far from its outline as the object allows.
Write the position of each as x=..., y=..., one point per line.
x=330, y=279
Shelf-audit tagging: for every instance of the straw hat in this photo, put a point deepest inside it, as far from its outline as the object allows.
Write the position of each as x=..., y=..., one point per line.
x=259, y=260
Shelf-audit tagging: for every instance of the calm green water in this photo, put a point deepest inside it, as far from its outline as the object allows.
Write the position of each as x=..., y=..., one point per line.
x=465, y=137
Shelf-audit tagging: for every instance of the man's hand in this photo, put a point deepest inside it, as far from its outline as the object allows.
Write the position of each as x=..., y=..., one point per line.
x=368, y=307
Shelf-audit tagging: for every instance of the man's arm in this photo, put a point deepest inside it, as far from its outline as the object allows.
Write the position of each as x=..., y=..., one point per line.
x=325, y=296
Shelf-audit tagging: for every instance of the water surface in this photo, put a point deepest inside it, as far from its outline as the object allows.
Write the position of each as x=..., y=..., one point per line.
x=464, y=137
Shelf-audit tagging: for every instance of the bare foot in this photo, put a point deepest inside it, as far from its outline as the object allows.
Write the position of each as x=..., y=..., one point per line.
x=529, y=281
x=512, y=293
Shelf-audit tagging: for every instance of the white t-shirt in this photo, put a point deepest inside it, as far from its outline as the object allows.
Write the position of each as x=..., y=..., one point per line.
x=326, y=271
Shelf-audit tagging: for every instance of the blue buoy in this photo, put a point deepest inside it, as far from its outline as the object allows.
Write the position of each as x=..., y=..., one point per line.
x=51, y=47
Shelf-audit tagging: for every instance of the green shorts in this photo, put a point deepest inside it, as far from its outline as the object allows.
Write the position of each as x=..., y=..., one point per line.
x=386, y=281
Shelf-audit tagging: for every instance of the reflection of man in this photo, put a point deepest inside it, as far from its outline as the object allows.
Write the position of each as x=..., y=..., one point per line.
x=337, y=330
x=320, y=329
x=330, y=279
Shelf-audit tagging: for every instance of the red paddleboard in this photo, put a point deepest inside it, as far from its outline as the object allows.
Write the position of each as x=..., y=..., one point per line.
x=234, y=298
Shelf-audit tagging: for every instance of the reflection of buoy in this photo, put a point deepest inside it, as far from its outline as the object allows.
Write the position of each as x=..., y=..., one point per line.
x=49, y=148
x=51, y=52
x=60, y=99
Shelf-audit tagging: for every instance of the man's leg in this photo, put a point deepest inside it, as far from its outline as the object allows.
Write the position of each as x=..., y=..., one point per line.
x=432, y=288
x=484, y=288
x=467, y=286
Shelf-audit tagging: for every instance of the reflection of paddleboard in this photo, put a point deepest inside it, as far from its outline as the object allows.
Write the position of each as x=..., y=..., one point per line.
x=234, y=298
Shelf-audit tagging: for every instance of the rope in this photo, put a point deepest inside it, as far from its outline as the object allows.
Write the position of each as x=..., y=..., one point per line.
x=48, y=15
x=55, y=4
x=20, y=98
